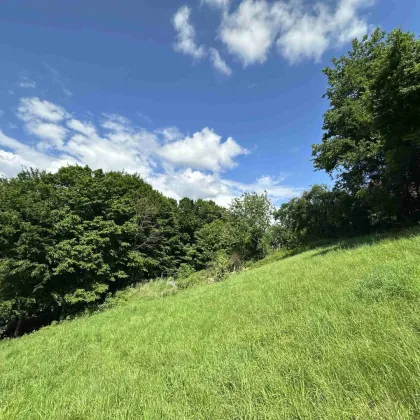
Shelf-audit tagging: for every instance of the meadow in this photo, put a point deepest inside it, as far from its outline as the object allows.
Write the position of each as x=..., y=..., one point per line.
x=329, y=333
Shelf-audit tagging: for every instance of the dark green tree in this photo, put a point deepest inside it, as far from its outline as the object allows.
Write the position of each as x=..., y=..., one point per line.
x=67, y=239
x=372, y=129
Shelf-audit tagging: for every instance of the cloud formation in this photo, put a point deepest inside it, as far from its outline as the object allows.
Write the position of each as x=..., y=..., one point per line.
x=295, y=29
x=204, y=150
x=185, y=42
x=218, y=62
x=171, y=162
x=185, y=38
x=222, y=4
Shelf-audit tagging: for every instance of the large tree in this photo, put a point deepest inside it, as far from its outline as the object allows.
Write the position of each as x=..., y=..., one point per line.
x=372, y=129
x=67, y=239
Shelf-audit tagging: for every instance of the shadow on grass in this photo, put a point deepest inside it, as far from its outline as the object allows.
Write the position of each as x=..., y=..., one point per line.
x=358, y=241
x=326, y=246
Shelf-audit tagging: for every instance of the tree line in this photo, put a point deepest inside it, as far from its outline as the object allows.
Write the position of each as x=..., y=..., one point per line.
x=69, y=239
x=370, y=147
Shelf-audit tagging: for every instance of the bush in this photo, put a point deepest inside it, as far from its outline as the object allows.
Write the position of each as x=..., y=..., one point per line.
x=220, y=267
x=184, y=271
x=193, y=280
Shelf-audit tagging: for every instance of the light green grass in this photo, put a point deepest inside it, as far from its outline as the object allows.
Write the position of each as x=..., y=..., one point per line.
x=332, y=333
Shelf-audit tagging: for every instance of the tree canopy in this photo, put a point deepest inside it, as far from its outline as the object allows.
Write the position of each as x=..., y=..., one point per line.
x=372, y=129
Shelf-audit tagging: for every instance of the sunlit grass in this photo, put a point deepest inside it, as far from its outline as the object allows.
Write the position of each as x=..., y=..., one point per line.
x=332, y=333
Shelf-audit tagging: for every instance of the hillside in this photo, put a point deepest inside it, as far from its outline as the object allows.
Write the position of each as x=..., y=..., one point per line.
x=328, y=333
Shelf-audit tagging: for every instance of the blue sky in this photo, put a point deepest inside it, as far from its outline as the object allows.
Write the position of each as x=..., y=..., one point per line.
x=203, y=98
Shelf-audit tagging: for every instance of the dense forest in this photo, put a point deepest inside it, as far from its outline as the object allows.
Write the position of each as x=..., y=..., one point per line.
x=71, y=238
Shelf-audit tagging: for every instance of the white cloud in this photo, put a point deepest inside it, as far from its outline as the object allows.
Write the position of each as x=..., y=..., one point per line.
x=222, y=4
x=11, y=163
x=185, y=38
x=20, y=154
x=169, y=134
x=82, y=127
x=251, y=29
x=197, y=184
x=204, y=150
x=300, y=31
x=174, y=164
x=314, y=31
x=53, y=134
x=36, y=109
x=116, y=122
x=218, y=62
x=27, y=83
x=41, y=119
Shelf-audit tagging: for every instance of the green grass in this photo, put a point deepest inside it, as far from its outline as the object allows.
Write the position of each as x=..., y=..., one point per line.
x=331, y=333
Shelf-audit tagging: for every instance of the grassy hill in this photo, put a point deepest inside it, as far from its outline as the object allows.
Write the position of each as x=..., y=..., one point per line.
x=329, y=333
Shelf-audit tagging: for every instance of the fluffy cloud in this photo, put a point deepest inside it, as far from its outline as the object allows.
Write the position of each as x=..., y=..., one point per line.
x=254, y=27
x=312, y=33
x=84, y=128
x=31, y=109
x=299, y=31
x=251, y=29
x=185, y=38
x=52, y=134
x=10, y=163
x=170, y=134
x=14, y=155
x=197, y=184
x=186, y=43
x=174, y=164
x=204, y=150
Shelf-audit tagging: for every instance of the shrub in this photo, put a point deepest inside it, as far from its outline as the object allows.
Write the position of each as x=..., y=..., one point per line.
x=192, y=280
x=220, y=267
x=184, y=271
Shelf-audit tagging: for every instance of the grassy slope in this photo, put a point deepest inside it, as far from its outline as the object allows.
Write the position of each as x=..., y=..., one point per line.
x=330, y=333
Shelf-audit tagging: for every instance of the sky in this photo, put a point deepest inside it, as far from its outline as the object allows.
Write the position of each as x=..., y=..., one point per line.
x=202, y=98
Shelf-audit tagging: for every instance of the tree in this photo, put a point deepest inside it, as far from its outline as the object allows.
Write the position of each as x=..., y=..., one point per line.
x=372, y=129
x=320, y=213
x=250, y=216
x=193, y=216
x=67, y=239
x=212, y=238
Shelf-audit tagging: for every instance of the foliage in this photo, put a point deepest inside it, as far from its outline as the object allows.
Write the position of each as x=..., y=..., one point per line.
x=220, y=266
x=317, y=214
x=212, y=238
x=251, y=217
x=69, y=238
x=372, y=130
x=184, y=271
x=194, y=279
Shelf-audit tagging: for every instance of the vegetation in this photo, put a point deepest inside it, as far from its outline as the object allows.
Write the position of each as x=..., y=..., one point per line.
x=67, y=240
x=371, y=145
x=328, y=333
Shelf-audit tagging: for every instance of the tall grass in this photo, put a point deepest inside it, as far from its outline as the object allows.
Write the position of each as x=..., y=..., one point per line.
x=332, y=333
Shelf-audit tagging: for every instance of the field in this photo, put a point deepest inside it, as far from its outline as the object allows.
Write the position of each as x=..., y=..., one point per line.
x=330, y=333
